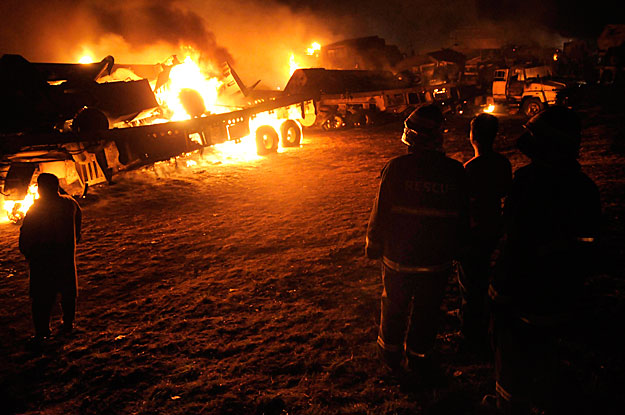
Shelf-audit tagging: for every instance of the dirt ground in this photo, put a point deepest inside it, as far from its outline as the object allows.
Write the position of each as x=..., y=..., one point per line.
x=241, y=287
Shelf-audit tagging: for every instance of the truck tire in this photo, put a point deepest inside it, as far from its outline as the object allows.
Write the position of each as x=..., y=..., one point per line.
x=88, y=120
x=291, y=134
x=358, y=119
x=334, y=122
x=531, y=107
x=266, y=140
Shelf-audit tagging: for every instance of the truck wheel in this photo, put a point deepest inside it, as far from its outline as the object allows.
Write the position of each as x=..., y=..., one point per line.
x=88, y=120
x=266, y=140
x=291, y=134
x=531, y=107
x=334, y=123
x=359, y=119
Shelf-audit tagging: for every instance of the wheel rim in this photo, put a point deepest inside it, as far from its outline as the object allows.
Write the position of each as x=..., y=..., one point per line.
x=533, y=108
x=267, y=141
x=291, y=133
x=336, y=122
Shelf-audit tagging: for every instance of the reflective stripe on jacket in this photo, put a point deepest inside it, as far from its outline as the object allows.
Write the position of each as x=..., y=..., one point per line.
x=421, y=213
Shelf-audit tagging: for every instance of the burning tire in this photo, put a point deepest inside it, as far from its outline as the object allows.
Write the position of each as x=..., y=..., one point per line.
x=531, y=107
x=266, y=140
x=291, y=134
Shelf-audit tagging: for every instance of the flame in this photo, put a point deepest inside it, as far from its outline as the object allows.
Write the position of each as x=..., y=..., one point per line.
x=489, y=109
x=293, y=65
x=85, y=59
x=232, y=152
x=86, y=55
x=188, y=76
x=315, y=47
x=16, y=209
x=185, y=76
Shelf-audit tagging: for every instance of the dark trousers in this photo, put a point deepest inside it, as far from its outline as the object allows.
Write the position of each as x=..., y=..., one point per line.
x=410, y=313
x=527, y=367
x=474, y=278
x=42, y=305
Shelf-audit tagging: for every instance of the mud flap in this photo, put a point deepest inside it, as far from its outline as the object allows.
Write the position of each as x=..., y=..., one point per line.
x=88, y=169
x=18, y=179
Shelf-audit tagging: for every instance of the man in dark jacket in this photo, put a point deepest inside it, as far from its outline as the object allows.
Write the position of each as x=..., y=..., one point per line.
x=48, y=240
x=417, y=224
x=489, y=175
x=552, y=217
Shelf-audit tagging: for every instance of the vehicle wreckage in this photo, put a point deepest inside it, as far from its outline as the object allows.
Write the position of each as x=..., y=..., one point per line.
x=72, y=120
x=346, y=98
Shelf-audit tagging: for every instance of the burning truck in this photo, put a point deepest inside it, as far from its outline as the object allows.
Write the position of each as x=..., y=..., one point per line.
x=87, y=122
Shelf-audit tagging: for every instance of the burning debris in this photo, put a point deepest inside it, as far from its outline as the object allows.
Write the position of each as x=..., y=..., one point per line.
x=180, y=108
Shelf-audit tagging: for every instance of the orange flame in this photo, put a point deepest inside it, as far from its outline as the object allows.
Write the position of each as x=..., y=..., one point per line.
x=85, y=59
x=16, y=209
x=314, y=48
x=293, y=65
x=184, y=77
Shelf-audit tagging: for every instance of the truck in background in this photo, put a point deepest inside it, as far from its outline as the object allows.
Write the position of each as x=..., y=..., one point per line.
x=348, y=98
x=530, y=89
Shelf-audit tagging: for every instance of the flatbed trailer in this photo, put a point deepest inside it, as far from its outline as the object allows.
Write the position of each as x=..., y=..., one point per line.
x=84, y=159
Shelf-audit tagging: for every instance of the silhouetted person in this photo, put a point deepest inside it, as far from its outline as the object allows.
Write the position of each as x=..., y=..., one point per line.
x=48, y=238
x=418, y=221
x=552, y=216
x=489, y=175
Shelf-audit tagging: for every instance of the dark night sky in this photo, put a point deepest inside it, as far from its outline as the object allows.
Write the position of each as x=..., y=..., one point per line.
x=568, y=18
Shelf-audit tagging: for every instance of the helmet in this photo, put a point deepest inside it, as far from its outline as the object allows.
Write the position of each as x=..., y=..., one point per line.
x=553, y=134
x=422, y=128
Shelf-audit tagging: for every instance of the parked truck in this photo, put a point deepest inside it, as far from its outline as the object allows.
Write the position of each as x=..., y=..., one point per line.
x=530, y=89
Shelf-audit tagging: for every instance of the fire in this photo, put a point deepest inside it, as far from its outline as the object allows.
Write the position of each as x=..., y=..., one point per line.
x=86, y=55
x=85, y=59
x=231, y=152
x=188, y=80
x=16, y=209
x=293, y=65
x=314, y=48
x=189, y=92
x=489, y=109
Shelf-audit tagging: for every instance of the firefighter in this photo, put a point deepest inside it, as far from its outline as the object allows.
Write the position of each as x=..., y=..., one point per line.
x=552, y=217
x=418, y=222
x=489, y=175
x=48, y=238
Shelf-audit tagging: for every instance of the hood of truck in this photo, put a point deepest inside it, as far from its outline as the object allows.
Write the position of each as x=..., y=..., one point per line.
x=546, y=85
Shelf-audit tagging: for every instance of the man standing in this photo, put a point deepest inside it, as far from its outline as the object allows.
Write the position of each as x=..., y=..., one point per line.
x=48, y=240
x=418, y=222
x=489, y=175
x=552, y=217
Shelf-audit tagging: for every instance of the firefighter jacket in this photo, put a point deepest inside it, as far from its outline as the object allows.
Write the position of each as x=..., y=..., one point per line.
x=419, y=218
x=48, y=238
x=552, y=217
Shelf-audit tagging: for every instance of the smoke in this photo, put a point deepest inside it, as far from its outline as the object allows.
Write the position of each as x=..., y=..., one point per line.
x=58, y=30
x=259, y=37
x=148, y=22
